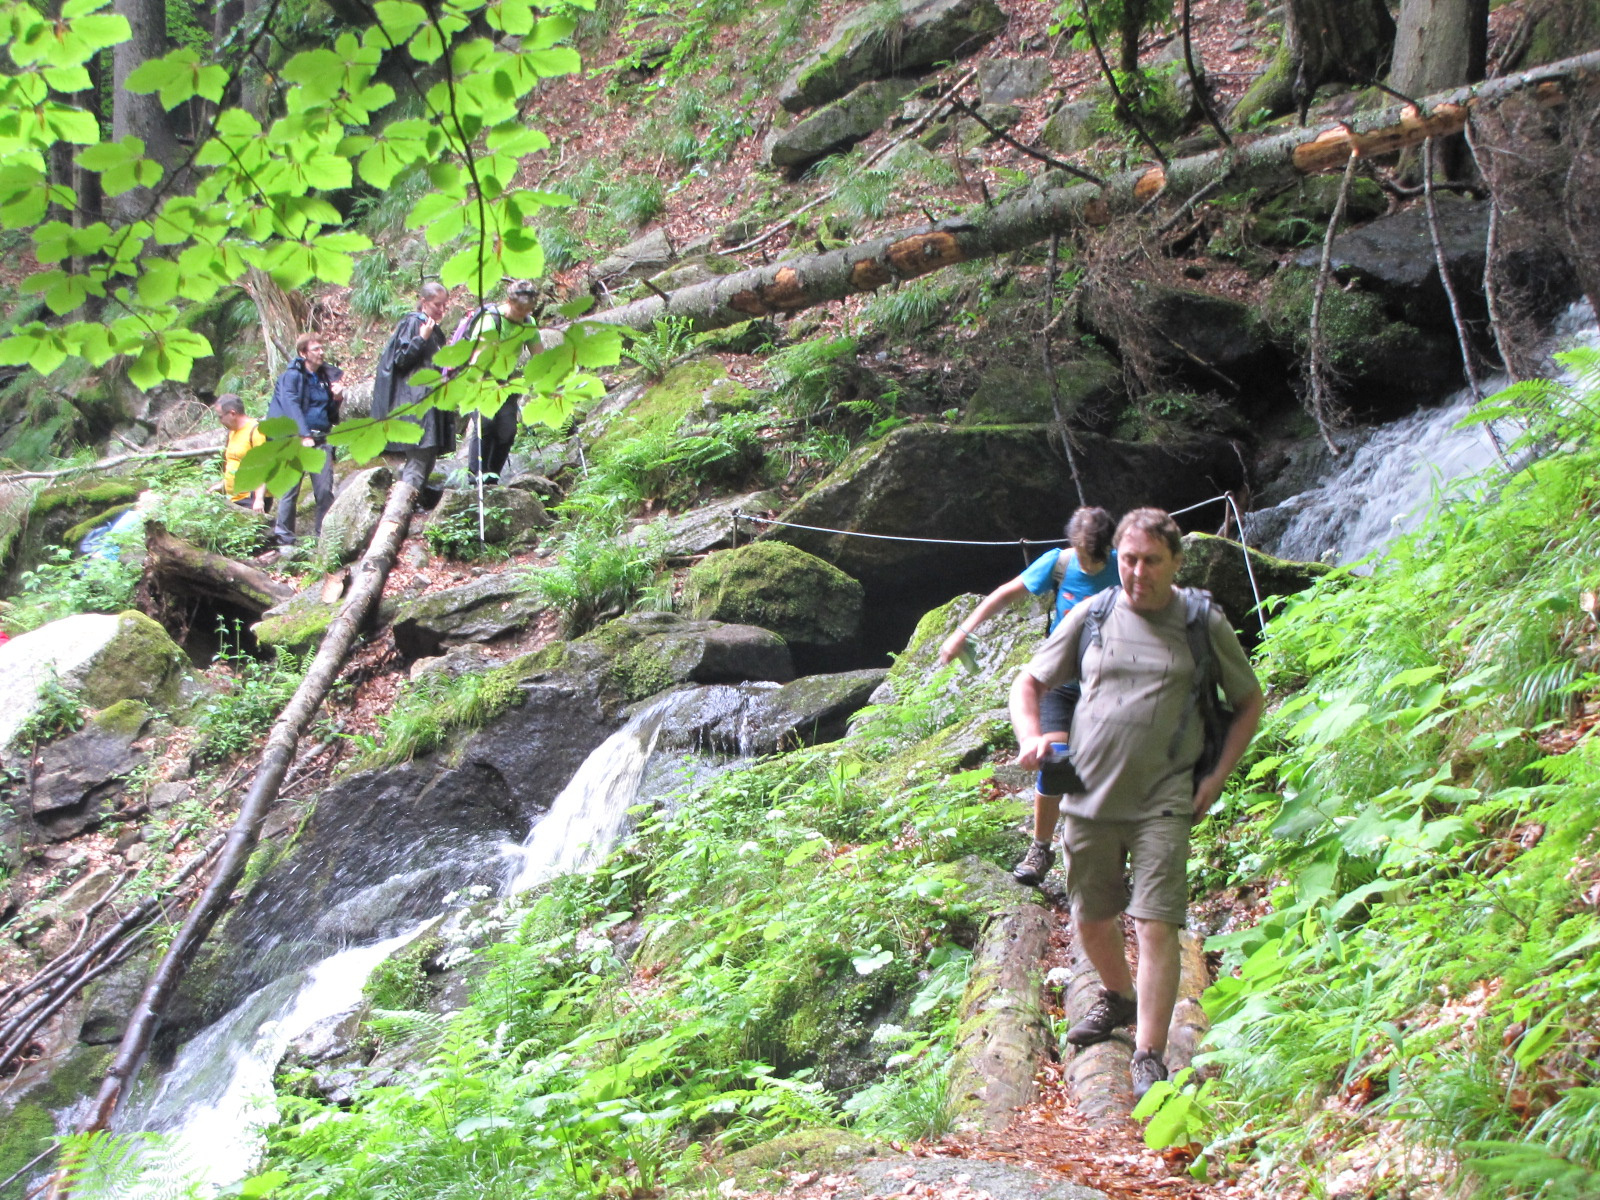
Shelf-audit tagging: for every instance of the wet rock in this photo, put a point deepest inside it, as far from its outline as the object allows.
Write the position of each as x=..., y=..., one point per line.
x=918, y=482
x=513, y=516
x=81, y=775
x=639, y=259
x=808, y=602
x=859, y=48
x=837, y=126
x=479, y=611
x=1007, y=80
x=104, y=658
x=1218, y=565
x=753, y=720
x=348, y=527
x=706, y=528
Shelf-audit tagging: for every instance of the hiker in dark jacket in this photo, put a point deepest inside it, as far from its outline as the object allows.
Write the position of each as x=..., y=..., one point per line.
x=411, y=348
x=489, y=444
x=1137, y=746
x=308, y=393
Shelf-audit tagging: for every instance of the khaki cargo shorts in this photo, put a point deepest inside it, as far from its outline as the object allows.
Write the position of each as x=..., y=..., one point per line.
x=1102, y=855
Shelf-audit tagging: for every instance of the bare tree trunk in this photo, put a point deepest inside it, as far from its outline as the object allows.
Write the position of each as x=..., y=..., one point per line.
x=284, y=317
x=1055, y=205
x=141, y=116
x=1439, y=44
x=276, y=756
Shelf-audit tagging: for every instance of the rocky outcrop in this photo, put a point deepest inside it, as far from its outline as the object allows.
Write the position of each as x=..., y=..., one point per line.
x=101, y=657
x=639, y=259
x=479, y=611
x=861, y=47
x=982, y=484
x=644, y=653
x=1007, y=80
x=809, y=603
x=58, y=513
x=80, y=776
x=837, y=126
x=348, y=527
x=1218, y=565
x=299, y=621
x=752, y=720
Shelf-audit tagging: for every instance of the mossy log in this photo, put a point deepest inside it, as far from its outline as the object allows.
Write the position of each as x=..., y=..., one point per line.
x=1056, y=203
x=174, y=568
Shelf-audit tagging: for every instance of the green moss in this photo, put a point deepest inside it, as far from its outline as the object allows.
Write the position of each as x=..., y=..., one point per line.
x=141, y=661
x=1354, y=324
x=758, y=1167
x=798, y=596
x=299, y=623
x=98, y=492
x=662, y=408
x=1299, y=216
x=83, y=528
x=29, y=1128
x=125, y=718
x=1561, y=31
x=642, y=671
x=401, y=981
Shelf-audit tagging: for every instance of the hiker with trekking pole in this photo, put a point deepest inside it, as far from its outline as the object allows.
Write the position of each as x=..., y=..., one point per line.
x=1152, y=744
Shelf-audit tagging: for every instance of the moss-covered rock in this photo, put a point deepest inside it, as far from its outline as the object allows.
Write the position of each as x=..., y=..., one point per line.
x=298, y=622
x=29, y=1127
x=348, y=527
x=699, y=385
x=125, y=718
x=479, y=611
x=512, y=517
x=1299, y=216
x=1560, y=30
x=644, y=653
x=801, y=598
x=825, y=1150
x=139, y=662
x=60, y=516
x=1218, y=565
x=1012, y=394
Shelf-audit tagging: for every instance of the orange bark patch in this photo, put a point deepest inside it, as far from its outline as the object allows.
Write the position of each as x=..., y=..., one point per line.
x=923, y=252
x=1148, y=184
x=870, y=274
x=1330, y=150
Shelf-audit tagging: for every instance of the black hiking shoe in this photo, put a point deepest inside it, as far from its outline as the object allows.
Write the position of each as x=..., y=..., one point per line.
x=1148, y=1069
x=1105, y=1016
x=1035, y=865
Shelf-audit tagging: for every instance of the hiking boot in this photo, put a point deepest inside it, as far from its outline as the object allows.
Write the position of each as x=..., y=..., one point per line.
x=1104, y=1017
x=1148, y=1069
x=1035, y=865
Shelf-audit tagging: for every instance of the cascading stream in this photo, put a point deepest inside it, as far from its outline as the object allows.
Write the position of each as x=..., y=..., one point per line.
x=215, y=1101
x=1384, y=486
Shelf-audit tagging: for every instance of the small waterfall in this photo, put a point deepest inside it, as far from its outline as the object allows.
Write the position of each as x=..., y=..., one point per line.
x=215, y=1101
x=1389, y=476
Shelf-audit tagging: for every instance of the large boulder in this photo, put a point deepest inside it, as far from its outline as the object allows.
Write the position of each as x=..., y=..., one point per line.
x=704, y=529
x=1011, y=393
x=102, y=657
x=991, y=484
x=644, y=653
x=60, y=516
x=348, y=527
x=639, y=259
x=809, y=603
x=1007, y=80
x=1394, y=258
x=860, y=46
x=79, y=776
x=301, y=620
x=512, y=515
x=479, y=611
x=1218, y=565
x=837, y=126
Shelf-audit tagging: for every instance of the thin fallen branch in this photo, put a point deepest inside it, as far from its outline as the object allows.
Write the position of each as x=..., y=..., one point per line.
x=1048, y=159
x=1316, y=366
x=1124, y=109
x=1202, y=93
x=1467, y=363
x=241, y=839
x=1491, y=285
x=108, y=464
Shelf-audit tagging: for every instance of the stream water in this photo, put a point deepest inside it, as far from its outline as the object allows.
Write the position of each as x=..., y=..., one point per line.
x=1390, y=475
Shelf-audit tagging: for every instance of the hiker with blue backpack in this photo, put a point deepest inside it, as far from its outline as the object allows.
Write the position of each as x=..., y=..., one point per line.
x=1152, y=744
x=1086, y=566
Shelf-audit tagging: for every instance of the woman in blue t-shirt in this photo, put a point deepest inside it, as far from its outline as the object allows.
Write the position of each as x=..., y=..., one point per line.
x=1074, y=574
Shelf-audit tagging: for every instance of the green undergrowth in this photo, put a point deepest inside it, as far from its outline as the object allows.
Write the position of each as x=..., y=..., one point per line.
x=430, y=709
x=783, y=947
x=1425, y=826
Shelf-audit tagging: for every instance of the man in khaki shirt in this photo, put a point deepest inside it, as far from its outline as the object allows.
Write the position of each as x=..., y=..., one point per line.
x=1135, y=744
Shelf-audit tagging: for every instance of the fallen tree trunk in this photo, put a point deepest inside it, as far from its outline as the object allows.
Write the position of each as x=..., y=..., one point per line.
x=110, y=464
x=174, y=567
x=1055, y=204
x=241, y=840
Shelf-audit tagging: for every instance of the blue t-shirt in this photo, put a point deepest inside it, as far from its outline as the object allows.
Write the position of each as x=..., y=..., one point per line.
x=319, y=404
x=1076, y=584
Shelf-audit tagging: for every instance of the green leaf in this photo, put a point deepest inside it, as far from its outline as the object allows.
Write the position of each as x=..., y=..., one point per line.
x=594, y=344
x=876, y=960
x=399, y=19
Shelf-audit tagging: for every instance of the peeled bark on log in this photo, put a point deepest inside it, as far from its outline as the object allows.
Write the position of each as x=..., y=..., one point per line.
x=174, y=567
x=241, y=841
x=1055, y=204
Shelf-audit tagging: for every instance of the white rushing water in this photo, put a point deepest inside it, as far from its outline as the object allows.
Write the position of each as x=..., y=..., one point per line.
x=1383, y=488
x=215, y=1102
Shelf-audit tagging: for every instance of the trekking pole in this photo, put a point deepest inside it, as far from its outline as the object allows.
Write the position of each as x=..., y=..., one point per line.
x=477, y=438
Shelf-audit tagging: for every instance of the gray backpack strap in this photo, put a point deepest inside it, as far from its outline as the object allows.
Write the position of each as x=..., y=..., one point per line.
x=1089, y=635
x=1197, y=628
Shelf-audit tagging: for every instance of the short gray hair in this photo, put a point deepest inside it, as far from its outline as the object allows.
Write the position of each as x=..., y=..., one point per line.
x=432, y=290
x=229, y=402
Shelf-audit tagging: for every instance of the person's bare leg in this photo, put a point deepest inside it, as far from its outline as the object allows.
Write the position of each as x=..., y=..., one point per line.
x=1102, y=942
x=1158, y=981
x=1046, y=812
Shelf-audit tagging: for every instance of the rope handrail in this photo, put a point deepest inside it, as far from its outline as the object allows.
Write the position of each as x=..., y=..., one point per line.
x=1226, y=498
